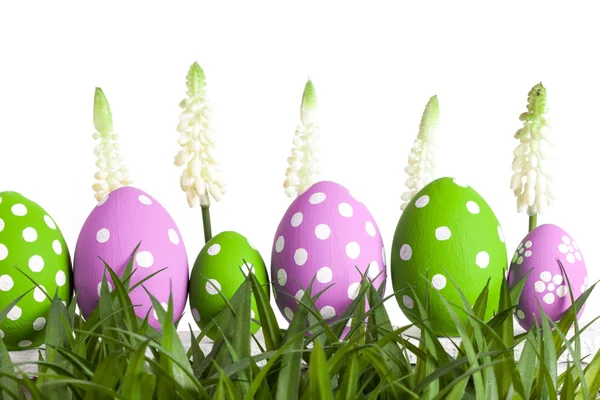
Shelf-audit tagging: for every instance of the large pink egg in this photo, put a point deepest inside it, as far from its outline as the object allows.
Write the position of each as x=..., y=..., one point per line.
x=326, y=234
x=111, y=232
x=546, y=283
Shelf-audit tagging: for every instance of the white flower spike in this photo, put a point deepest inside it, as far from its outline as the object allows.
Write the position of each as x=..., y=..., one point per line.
x=421, y=160
x=201, y=177
x=532, y=180
x=112, y=173
x=303, y=165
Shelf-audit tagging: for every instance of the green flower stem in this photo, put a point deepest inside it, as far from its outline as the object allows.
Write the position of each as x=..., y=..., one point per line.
x=532, y=222
x=206, y=223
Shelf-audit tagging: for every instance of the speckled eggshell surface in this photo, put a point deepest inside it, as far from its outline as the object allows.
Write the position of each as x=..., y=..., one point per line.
x=447, y=230
x=31, y=241
x=546, y=283
x=112, y=231
x=220, y=270
x=325, y=233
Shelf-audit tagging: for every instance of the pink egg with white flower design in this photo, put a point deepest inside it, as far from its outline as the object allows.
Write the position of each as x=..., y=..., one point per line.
x=328, y=235
x=123, y=219
x=546, y=283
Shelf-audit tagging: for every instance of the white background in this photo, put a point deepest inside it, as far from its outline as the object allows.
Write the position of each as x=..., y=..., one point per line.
x=374, y=68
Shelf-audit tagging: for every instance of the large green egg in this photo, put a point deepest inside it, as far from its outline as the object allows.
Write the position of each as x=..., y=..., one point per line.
x=220, y=270
x=30, y=244
x=447, y=231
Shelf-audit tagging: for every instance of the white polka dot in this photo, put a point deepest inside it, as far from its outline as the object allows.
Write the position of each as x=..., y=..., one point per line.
x=103, y=235
x=288, y=313
x=252, y=315
x=528, y=253
x=25, y=343
x=514, y=259
x=460, y=183
x=561, y=291
x=214, y=249
x=551, y=287
x=57, y=247
x=36, y=263
x=548, y=298
x=324, y=275
x=297, y=219
x=30, y=234
x=15, y=313
x=300, y=256
x=520, y=245
x=1, y=225
x=64, y=303
x=405, y=252
x=345, y=210
x=110, y=288
x=49, y=222
x=145, y=200
x=101, y=202
x=247, y=268
x=422, y=201
x=373, y=270
x=570, y=258
x=563, y=248
x=545, y=276
x=557, y=280
x=282, y=277
x=473, y=207
x=539, y=286
x=327, y=312
x=39, y=323
x=528, y=244
x=500, y=234
x=353, y=290
x=173, y=236
x=521, y=250
x=145, y=259
x=38, y=294
x=0, y=200
x=1, y=331
x=582, y=288
x=19, y=210
x=165, y=306
x=520, y=260
x=370, y=228
x=408, y=302
x=317, y=198
x=566, y=240
x=439, y=281
x=575, y=245
x=578, y=256
x=443, y=233
x=213, y=286
x=482, y=259
x=322, y=231
x=60, y=278
x=3, y=252
x=299, y=295
x=352, y=250
x=6, y=283
x=279, y=244
x=196, y=315
x=520, y=314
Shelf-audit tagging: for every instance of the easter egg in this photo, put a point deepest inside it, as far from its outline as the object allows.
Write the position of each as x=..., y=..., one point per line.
x=30, y=241
x=123, y=219
x=328, y=236
x=447, y=232
x=219, y=270
x=546, y=284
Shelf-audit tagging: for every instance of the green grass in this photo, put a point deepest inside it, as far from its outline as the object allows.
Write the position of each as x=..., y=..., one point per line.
x=115, y=354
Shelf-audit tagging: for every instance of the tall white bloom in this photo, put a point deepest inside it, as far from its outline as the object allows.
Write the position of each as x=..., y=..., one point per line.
x=532, y=179
x=421, y=160
x=303, y=165
x=112, y=172
x=201, y=176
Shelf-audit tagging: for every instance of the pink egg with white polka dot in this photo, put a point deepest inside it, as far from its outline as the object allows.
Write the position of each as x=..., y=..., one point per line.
x=124, y=218
x=328, y=235
x=546, y=283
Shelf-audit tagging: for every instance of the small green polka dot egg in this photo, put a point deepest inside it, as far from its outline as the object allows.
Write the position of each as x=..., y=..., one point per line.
x=31, y=241
x=220, y=268
x=447, y=230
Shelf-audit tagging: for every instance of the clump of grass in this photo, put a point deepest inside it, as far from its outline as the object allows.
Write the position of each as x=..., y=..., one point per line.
x=115, y=354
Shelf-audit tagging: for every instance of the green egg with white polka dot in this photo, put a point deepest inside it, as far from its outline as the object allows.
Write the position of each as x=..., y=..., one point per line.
x=30, y=241
x=447, y=232
x=220, y=268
